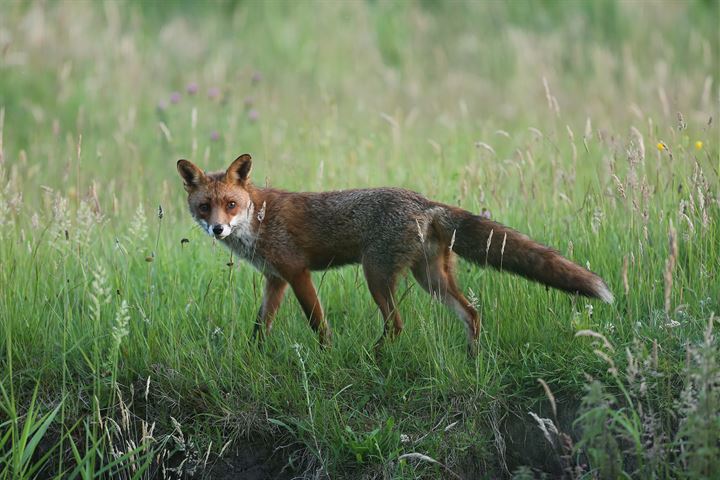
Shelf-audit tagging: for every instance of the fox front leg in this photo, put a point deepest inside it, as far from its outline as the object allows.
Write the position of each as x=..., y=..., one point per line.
x=272, y=297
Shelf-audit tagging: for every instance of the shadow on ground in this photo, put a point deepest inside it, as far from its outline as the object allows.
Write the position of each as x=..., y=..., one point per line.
x=253, y=461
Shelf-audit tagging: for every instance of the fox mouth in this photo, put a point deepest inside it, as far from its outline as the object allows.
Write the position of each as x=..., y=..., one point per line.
x=227, y=231
x=219, y=232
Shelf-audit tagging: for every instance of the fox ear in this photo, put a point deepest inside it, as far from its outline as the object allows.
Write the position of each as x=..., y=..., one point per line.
x=239, y=170
x=192, y=176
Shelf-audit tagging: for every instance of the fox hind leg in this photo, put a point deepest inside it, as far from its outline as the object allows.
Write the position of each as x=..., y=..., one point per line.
x=436, y=276
x=381, y=281
x=464, y=309
x=304, y=290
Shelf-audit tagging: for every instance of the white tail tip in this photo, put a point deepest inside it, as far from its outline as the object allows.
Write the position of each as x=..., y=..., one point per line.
x=603, y=292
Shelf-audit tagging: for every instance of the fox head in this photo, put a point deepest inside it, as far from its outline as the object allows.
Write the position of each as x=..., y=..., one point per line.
x=219, y=202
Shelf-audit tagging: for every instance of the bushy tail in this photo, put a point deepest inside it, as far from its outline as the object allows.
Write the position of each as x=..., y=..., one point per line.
x=485, y=242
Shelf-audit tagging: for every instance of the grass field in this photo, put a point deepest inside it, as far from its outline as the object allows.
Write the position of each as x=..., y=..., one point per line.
x=590, y=126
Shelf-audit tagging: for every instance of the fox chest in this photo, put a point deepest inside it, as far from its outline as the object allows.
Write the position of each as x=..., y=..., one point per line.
x=243, y=242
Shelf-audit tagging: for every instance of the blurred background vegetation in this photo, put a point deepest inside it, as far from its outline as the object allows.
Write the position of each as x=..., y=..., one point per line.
x=444, y=70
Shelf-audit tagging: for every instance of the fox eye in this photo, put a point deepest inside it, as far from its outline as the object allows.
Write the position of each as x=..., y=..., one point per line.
x=204, y=208
x=231, y=206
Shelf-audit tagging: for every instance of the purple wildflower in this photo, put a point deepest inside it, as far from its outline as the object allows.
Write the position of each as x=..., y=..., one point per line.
x=253, y=115
x=215, y=136
x=256, y=77
x=175, y=97
x=213, y=93
x=192, y=88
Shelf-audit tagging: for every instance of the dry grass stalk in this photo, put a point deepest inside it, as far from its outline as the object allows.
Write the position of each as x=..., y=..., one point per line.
x=572, y=144
x=495, y=426
x=502, y=133
x=626, y=284
x=79, y=148
x=682, y=125
x=599, y=336
x=487, y=247
x=425, y=458
x=551, y=100
x=165, y=131
x=640, y=142
x=549, y=395
x=613, y=369
x=619, y=186
x=421, y=235
x=502, y=250
x=588, y=134
x=486, y=147
x=536, y=131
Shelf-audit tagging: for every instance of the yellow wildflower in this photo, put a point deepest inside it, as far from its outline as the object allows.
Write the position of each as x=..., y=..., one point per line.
x=661, y=146
x=698, y=145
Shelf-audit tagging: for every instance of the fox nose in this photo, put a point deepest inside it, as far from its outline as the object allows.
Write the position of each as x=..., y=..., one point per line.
x=218, y=229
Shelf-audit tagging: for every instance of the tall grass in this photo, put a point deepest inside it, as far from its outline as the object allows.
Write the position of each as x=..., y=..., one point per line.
x=125, y=330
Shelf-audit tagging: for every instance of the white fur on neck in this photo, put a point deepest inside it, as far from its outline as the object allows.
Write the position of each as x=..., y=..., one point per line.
x=242, y=240
x=242, y=226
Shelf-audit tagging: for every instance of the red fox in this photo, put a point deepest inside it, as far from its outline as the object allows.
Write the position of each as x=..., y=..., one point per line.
x=286, y=235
